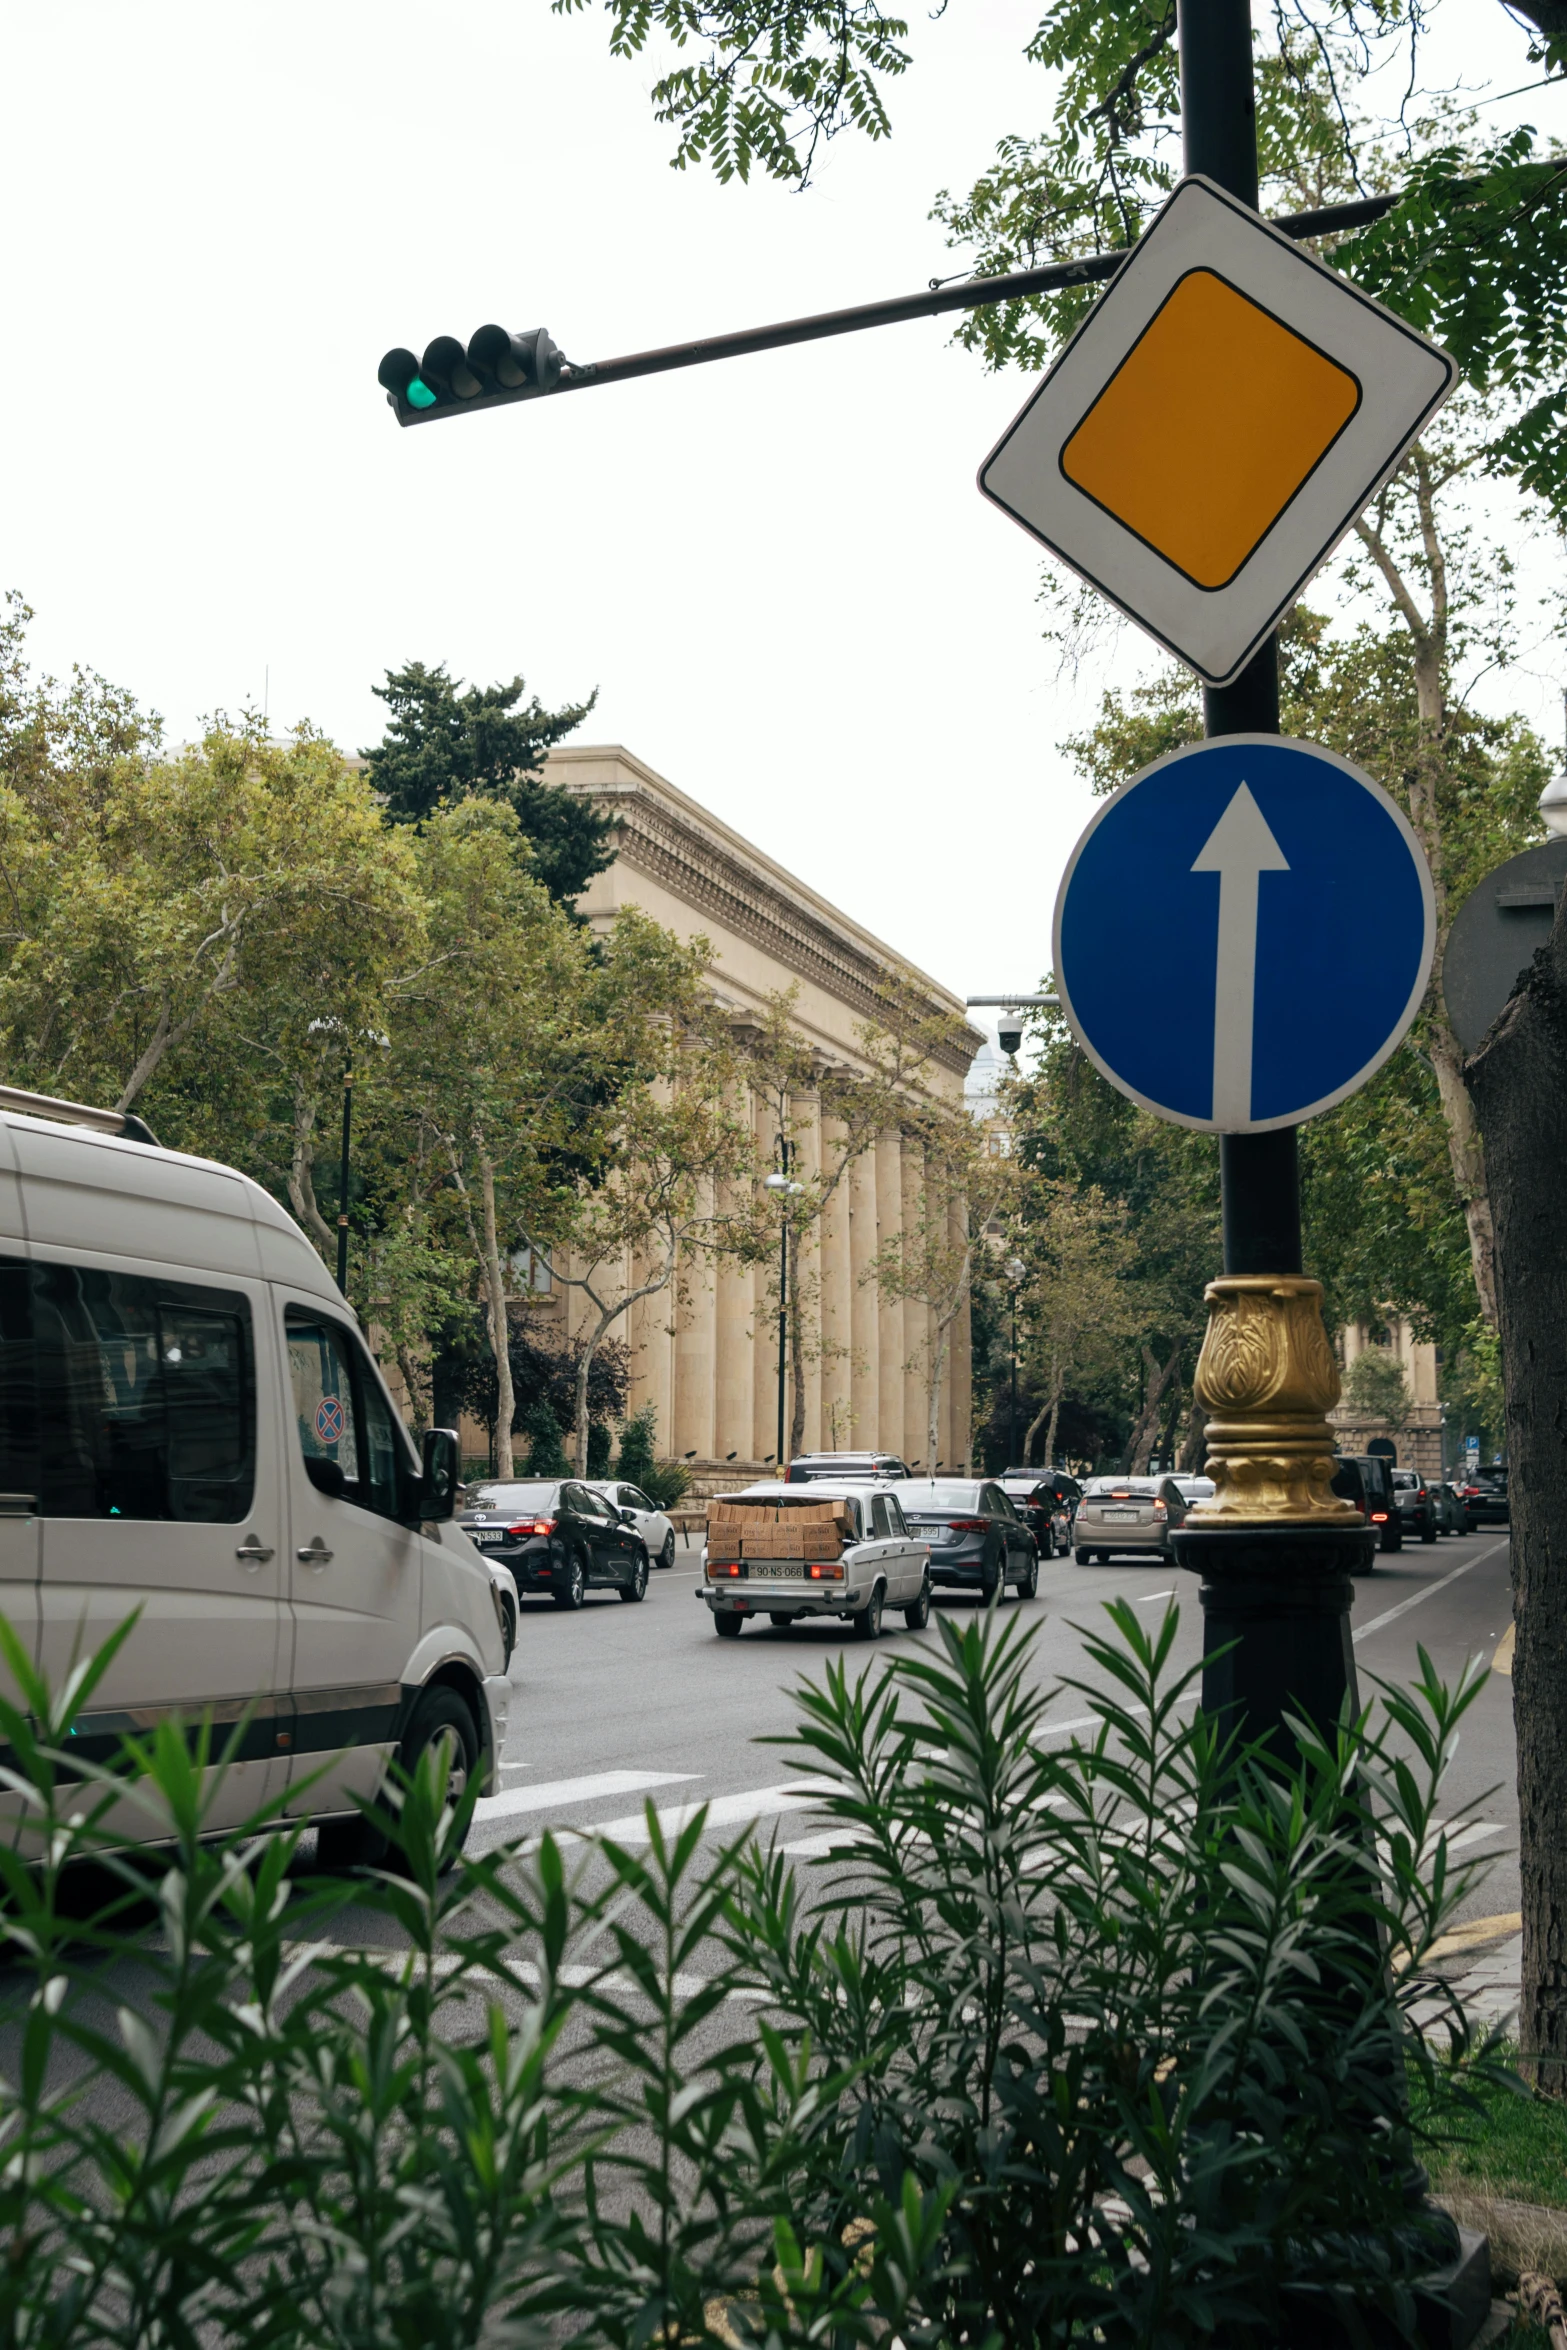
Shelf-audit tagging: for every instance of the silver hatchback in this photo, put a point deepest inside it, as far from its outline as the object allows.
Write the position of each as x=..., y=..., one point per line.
x=1127, y=1514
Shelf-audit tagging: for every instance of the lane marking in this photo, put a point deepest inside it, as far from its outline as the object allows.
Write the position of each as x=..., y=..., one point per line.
x=1502, y=1661
x=544, y=1794
x=724, y=1811
x=1427, y=1591
x=1149, y=1597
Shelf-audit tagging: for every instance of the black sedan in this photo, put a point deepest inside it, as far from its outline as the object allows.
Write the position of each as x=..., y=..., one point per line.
x=559, y=1539
x=977, y=1540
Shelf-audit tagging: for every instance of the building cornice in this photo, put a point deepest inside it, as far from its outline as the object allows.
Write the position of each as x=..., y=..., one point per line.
x=659, y=831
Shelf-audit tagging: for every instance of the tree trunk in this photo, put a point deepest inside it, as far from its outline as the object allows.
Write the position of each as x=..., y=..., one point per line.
x=1140, y=1443
x=500, y=1335
x=1171, y=1422
x=301, y=1181
x=584, y=1371
x=1194, y=1452
x=1518, y=1083
x=938, y=1365
x=1466, y=1154
x=796, y=1351
x=414, y=1379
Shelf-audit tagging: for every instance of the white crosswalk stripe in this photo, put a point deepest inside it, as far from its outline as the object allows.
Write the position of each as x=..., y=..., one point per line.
x=558, y=1794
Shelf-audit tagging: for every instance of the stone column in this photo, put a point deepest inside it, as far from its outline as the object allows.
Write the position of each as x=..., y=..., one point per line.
x=888, y=1433
x=837, y=1302
x=652, y=1359
x=732, y=1430
x=764, y=1316
x=916, y=1322
x=696, y=1328
x=864, y=1382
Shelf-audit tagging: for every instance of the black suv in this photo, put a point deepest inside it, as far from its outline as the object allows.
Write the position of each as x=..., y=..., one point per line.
x=559, y=1538
x=1046, y=1500
x=1484, y=1496
x=1365, y=1478
x=1416, y=1503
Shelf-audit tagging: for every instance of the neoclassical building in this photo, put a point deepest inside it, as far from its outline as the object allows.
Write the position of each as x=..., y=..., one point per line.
x=709, y=1364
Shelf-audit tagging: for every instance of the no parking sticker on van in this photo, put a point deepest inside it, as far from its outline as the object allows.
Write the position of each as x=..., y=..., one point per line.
x=329, y=1419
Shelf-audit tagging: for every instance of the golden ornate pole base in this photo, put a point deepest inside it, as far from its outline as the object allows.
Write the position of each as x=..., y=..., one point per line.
x=1267, y=1379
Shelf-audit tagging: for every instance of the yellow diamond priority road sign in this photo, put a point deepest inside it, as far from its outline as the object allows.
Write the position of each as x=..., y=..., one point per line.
x=1213, y=428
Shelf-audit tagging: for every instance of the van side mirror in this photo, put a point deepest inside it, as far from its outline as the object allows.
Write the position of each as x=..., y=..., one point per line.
x=326, y=1476
x=442, y=1474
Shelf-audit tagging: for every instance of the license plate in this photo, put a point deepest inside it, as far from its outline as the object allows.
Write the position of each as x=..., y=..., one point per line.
x=773, y=1571
x=926, y=1526
x=484, y=1534
x=1121, y=1517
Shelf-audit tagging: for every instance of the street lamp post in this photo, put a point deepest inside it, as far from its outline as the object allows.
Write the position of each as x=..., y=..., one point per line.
x=1015, y=1272
x=330, y=1025
x=1274, y=1547
x=785, y=1191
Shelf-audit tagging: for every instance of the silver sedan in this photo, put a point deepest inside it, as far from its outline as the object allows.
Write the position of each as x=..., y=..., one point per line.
x=1127, y=1514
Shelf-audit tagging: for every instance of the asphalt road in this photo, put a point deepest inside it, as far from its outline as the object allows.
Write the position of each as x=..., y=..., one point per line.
x=618, y=1704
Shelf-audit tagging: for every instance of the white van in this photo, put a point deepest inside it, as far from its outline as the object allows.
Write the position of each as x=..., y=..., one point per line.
x=190, y=1423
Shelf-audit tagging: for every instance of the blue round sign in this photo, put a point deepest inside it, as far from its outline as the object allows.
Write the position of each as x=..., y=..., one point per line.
x=1244, y=933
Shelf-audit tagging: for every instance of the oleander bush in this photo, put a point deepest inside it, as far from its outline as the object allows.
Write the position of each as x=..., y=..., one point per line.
x=1102, y=2041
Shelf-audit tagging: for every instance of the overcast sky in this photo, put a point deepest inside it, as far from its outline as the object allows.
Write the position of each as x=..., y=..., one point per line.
x=777, y=571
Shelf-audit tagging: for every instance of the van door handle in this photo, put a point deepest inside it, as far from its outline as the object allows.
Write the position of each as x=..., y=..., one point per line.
x=252, y=1554
x=314, y=1554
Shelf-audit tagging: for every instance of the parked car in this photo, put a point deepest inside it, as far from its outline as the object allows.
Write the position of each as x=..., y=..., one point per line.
x=1350, y=1485
x=811, y=1468
x=559, y=1537
x=1046, y=1500
x=1127, y=1514
x=1484, y=1496
x=193, y=1425
x=506, y=1602
x=1381, y=1509
x=1415, y=1501
x=1451, y=1515
x=1196, y=1489
x=658, y=1535
x=978, y=1542
x=854, y=1556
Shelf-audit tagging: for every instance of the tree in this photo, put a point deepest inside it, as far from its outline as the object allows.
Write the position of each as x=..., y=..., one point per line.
x=1078, y=1309
x=1474, y=252
x=1376, y=1385
x=483, y=1084
x=443, y=745
x=641, y=1204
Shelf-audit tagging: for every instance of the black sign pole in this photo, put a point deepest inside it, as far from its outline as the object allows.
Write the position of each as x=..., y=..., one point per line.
x=1275, y=1548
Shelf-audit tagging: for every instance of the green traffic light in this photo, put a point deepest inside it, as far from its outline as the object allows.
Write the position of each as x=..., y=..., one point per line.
x=419, y=394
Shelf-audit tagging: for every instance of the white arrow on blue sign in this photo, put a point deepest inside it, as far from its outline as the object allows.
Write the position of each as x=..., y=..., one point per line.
x=1244, y=933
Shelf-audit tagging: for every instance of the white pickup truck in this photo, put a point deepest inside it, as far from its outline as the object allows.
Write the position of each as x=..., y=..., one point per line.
x=787, y=1551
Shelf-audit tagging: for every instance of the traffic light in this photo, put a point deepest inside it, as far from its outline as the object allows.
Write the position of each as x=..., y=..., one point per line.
x=496, y=367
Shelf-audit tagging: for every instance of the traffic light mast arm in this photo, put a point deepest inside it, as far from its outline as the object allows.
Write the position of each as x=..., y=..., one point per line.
x=930, y=302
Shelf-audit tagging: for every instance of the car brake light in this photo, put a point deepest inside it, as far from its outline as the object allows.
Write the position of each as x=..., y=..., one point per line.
x=531, y=1526
x=1379, y=1517
x=722, y=1567
x=826, y=1570
x=967, y=1525
x=1159, y=1510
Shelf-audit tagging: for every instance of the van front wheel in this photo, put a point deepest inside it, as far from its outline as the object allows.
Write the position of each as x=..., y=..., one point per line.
x=440, y=1717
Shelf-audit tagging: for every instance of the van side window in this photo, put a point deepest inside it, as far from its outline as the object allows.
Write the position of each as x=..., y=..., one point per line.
x=144, y=1392
x=18, y=1383
x=341, y=1414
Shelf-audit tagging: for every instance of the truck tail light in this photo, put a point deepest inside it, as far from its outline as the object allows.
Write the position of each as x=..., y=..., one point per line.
x=717, y=1567
x=826, y=1570
x=1379, y=1517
